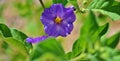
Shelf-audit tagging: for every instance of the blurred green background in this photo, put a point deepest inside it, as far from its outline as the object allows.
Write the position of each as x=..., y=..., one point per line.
x=24, y=15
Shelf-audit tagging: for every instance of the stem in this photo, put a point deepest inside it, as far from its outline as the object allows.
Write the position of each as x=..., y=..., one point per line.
x=42, y=4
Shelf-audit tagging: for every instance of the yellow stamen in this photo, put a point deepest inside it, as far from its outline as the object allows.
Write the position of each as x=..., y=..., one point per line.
x=58, y=20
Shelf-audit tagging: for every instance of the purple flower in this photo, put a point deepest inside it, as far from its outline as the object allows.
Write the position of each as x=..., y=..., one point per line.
x=57, y=21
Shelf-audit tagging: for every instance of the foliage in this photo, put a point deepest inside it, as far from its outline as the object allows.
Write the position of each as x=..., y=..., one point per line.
x=107, y=7
x=92, y=44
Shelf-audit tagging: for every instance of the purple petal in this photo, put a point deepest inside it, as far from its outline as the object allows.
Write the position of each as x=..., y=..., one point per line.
x=53, y=9
x=51, y=30
x=48, y=14
x=68, y=27
x=47, y=17
x=69, y=15
x=62, y=31
x=57, y=9
x=46, y=21
x=36, y=40
x=55, y=30
x=60, y=10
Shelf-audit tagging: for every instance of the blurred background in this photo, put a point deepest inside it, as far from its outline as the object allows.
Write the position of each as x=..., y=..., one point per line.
x=24, y=15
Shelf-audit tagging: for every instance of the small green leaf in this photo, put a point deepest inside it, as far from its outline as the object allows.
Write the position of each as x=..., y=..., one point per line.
x=106, y=7
x=49, y=45
x=93, y=3
x=113, y=40
x=64, y=2
x=100, y=32
x=103, y=29
x=113, y=15
x=5, y=30
x=78, y=47
x=16, y=45
x=18, y=35
x=100, y=4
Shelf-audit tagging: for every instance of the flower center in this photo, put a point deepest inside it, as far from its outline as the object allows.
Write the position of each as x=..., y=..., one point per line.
x=58, y=20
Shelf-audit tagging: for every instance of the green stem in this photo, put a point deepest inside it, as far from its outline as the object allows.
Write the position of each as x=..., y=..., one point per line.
x=42, y=4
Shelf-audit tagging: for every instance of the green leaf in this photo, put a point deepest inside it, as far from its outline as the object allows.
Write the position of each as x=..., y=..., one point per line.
x=90, y=33
x=100, y=32
x=18, y=35
x=77, y=48
x=49, y=45
x=113, y=40
x=113, y=15
x=100, y=3
x=90, y=27
x=5, y=30
x=14, y=38
x=64, y=2
x=106, y=7
x=16, y=45
x=86, y=35
x=103, y=29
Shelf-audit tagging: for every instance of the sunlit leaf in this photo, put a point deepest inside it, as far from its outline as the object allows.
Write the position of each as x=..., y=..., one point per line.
x=107, y=7
x=49, y=45
x=18, y=35
x=16, y=45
